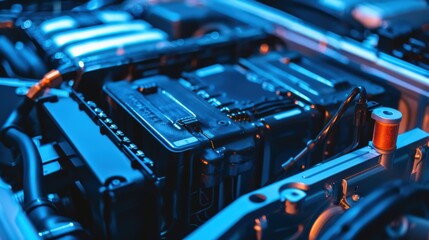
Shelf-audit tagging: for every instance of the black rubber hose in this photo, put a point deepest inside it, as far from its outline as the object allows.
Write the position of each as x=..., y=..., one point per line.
x=16, y=118
x=41, y=211
x=9, y=53
x=32, y=163
x=12, y=135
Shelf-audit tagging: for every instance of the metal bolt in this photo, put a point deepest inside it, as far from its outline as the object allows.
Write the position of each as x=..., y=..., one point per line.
x=292, y=198
x=223, y=122
x=102, y=115
x=139, y=153
x=115, y=182
x=91, y=104
x=355, y=197
x=98, y=110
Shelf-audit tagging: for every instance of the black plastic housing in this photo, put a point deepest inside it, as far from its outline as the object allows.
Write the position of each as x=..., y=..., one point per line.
x=323, y=84
x=187, y=19
x=209, y=135
x=117, y=189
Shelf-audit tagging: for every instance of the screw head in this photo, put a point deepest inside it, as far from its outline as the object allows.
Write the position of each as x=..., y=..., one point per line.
x=355, y=197
x=115, y=182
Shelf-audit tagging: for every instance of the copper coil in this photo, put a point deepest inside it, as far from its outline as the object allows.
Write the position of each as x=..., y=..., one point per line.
x=386, y=128
x=385, y=136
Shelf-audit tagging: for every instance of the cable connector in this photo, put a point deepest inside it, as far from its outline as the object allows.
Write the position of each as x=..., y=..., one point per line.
x=51, y=79
x=291, y=161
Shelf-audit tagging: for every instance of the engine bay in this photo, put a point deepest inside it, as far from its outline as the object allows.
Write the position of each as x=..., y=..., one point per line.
x=194, y=119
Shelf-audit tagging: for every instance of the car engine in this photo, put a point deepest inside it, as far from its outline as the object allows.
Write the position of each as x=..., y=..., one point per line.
x=214, y=119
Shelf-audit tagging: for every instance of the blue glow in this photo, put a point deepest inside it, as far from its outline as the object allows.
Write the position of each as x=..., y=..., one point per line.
x=76, y=35
x=57, y=24
x=114, y=16
x=115, y=42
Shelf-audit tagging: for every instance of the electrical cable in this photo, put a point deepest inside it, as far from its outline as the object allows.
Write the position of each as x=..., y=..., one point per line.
x=359, y=122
